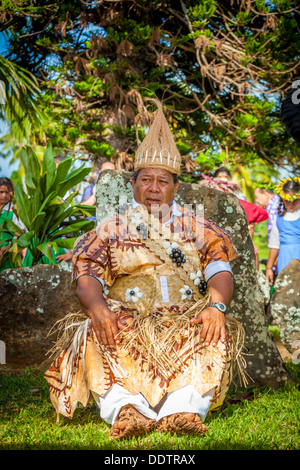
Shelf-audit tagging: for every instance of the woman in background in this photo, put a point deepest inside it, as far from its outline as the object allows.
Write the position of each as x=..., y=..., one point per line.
x=7, y=212
x=284, y=240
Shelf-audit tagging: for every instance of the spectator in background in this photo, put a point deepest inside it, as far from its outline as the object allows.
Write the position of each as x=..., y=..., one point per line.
x=222, y=174
x=7, y=212
x=254, y=213
x=267, y=199
x=284, y=239
x=89, y=195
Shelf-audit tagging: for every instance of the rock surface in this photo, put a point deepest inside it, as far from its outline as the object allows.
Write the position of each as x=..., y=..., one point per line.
x=285, y=305
x=32, y=299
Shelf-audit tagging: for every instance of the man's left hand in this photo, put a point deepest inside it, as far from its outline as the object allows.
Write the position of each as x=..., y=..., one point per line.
x=213, y=325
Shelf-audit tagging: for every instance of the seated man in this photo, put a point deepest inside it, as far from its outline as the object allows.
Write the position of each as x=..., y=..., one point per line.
x=154, y=281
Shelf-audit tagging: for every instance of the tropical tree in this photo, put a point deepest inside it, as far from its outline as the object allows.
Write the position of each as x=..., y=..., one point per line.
x=45, y=205
x=221, y=69
x=19, y=92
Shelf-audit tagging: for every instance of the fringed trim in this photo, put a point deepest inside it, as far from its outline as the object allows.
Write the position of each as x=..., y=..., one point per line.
x=64, y=330
x=156, y=336
x=71, y=332
x=237, y=333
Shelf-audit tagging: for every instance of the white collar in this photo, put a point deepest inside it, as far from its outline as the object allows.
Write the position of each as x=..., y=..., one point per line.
x=6, y=207
x=174, y=209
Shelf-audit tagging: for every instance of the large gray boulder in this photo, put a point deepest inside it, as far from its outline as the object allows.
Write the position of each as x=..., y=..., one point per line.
x=32, y=300
x=285, y=305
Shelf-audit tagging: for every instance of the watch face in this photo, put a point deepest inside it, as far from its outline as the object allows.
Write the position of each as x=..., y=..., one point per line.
x=220, y=306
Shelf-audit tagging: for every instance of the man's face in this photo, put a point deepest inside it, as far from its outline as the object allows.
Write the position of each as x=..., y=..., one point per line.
x=5, y=195
x=155, y=189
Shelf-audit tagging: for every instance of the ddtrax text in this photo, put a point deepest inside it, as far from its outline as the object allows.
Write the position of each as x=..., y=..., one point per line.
x=151, y=459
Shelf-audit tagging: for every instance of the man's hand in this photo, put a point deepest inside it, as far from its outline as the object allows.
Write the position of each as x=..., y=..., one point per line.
x=213, y=321
x=104, y=322
x=213, y=325
x=106, y=325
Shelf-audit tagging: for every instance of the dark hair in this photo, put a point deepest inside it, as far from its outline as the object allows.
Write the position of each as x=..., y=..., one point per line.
x=289, y=187
x=6, y=182
x=222, y=170
x=136, y=173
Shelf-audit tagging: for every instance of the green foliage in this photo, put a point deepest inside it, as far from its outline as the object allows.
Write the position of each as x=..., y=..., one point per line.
x=221, y=68
x=19, y=100
x=45, y=206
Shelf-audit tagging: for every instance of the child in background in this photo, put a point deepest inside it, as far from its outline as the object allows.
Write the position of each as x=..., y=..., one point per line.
x=284, y=240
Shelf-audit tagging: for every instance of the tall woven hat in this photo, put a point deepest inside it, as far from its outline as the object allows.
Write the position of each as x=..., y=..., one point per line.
x=158, y=149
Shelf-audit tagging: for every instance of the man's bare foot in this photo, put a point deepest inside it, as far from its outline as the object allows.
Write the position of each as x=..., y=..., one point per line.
x=182, y=423
x=130, y=422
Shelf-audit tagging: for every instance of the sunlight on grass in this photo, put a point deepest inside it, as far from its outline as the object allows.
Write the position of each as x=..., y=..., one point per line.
x=28, y=421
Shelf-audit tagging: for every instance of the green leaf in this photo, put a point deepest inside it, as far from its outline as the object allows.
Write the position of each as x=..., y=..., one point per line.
x=52, y=197
x=48, y=167
x=23, y=205
x=38, y=221
x=9, y=226
x=67, y=243
x=45, y=248
x=62, y=170
x=87, y=210
x=76, y=227
x=4, y=242
x=36, y=204
x=72, y=180
x=31, y=166
x=24, y=239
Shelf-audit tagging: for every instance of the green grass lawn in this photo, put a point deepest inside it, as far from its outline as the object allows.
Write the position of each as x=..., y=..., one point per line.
x=28, y=421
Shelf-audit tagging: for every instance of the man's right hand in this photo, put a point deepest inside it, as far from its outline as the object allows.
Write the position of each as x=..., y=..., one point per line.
x=105, y=323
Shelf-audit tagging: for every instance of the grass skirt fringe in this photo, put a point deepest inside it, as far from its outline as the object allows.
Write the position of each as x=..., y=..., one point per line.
x=160, y=338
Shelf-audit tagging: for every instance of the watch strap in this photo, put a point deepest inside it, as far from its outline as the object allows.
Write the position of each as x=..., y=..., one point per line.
x=220, y=306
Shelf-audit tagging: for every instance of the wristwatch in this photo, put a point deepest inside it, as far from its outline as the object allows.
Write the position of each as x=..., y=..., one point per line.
x=219, y=306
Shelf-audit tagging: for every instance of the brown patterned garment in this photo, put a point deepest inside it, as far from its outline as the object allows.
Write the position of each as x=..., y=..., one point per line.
x=141, y=282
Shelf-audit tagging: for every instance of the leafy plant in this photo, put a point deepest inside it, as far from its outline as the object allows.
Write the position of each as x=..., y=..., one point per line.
x=19, y=92
x=221, y=69
x=45, y=205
